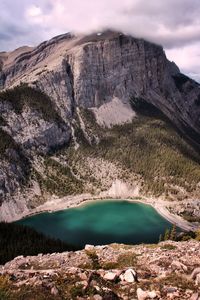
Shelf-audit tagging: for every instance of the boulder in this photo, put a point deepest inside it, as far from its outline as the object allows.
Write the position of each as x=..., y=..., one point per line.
x=112, y=276
x=177, y=265
x=54, y=291
x=89, y=247
x=195, y=296
x=142, y=295
x=129, y=276
x=153, y=295
x=195, y=273
x=97, y=297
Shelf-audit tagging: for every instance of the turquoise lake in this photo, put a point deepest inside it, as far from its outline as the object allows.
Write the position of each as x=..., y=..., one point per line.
x=102, y=222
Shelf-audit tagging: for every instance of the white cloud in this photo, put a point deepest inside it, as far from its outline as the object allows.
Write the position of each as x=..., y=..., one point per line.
x=34, y=11
x=34, y=15
x=175, y=24
x=187, y=58
x=169, y=22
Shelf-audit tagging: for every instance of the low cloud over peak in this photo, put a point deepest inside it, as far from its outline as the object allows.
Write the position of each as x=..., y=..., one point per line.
x=175, y=24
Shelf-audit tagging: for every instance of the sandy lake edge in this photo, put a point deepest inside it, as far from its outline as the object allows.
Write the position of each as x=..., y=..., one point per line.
x=57, y=204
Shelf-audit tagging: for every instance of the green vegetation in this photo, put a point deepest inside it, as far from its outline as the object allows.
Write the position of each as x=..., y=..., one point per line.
x=188, y=236
x=190, y=217
x=127, y=259
x=124, y=260
x=12, y=153
x=172, y=235
x=6, y=142
x=167, y=235
x=94, y=258
x=58, y=179
x=179, y=281
x=168, y=247
x=2, y=121
x=23, y=95
x=18, y=240
x=70, y=289
x=8, y=291
x=4, y=288
x=149, y=147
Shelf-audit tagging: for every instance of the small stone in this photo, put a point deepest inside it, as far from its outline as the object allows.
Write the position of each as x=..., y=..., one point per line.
x=130, y=276
x=72, y=270
x=142, y=295
x=177, y=265
x=152, y=295
x=110, y=276
x=83, y=276
x=84, y=283
x=97, y=288
x=195, y=272
x=171, y=290
x=89, y=247
x=195, y=296
x=197, y=281
x=54, y=291
x=97, y=297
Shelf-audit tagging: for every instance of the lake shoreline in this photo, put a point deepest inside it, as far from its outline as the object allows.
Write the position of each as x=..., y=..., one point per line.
x=58, y=204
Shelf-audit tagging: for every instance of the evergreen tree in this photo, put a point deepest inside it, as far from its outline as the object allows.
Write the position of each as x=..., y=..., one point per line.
x=173, y=233
x=167, y=234
x=18, y=240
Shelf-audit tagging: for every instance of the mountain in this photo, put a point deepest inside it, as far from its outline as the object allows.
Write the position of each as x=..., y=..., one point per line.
x=105, y=114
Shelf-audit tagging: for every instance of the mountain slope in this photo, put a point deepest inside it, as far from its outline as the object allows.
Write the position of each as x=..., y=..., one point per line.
x=104, y=114
x=90, y=71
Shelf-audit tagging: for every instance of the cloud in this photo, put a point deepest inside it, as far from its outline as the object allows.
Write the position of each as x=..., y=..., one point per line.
x=168, y=22
x=188, y=58
x=34, y=11
x=175, y=24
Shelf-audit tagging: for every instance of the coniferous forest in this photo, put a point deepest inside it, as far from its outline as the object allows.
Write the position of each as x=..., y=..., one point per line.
x=18, y=240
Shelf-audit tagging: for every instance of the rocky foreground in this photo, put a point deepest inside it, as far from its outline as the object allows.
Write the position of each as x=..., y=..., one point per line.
x=169, y=270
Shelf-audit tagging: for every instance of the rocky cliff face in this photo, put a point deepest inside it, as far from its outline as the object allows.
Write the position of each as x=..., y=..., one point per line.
x=93, y=70
x=28, y=130
x=82, y=86
x=169, y=270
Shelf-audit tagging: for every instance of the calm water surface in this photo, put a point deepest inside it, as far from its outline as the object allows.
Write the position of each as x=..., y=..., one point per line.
x=102, y=222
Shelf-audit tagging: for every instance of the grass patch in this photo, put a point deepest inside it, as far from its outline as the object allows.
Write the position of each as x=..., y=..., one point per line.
x=168, y=247
x=179, y=281
x=126, y=260
x=109, y=265
x=94, y=258
x=4, y=288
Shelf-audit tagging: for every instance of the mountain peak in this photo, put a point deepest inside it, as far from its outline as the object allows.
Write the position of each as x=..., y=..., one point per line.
x=74, y=90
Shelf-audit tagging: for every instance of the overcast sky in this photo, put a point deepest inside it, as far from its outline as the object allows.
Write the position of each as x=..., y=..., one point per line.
x=175, y=24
